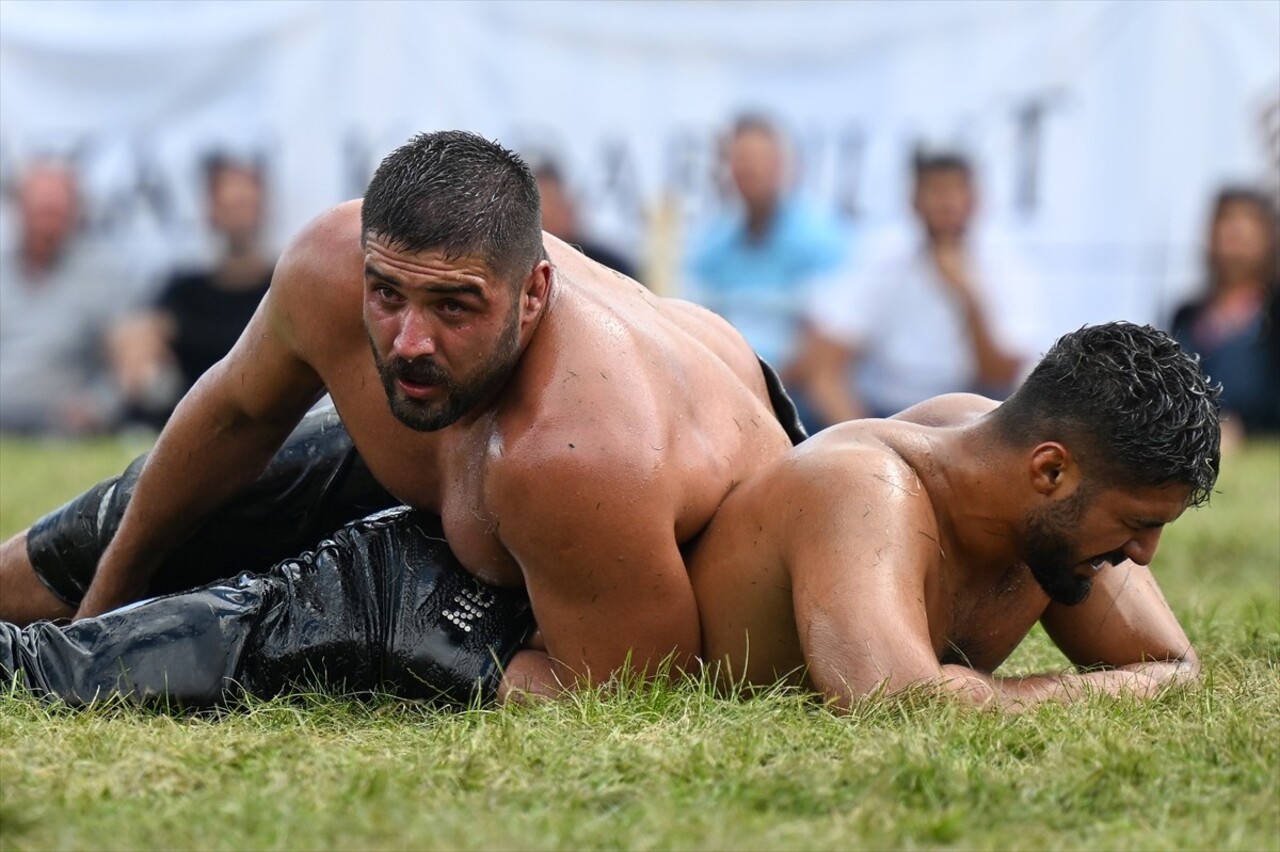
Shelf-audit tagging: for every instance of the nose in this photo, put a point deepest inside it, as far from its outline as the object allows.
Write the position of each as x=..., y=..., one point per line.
x=415, y=337
x=1141, y=549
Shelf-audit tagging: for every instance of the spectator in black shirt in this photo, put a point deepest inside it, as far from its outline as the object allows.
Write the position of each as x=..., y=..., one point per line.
x=159, y=353
x=1232, y=324
x=560, y=218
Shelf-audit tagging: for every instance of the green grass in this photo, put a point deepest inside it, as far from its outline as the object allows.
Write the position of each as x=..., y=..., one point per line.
x=677, y=767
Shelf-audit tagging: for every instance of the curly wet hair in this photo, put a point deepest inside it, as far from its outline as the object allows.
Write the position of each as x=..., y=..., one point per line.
x=1129, y=402
x=459, y=193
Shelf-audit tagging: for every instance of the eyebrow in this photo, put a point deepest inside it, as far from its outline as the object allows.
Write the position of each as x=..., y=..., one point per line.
x=441, y=289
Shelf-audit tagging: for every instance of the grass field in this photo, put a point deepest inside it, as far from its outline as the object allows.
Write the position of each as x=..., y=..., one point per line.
x=677, y=767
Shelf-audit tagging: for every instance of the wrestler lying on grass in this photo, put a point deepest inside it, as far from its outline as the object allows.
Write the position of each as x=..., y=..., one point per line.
x=877, y=556
x=570, y=431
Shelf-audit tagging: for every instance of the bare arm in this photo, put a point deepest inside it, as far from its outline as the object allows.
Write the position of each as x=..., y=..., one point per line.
x=221, y=436
x=996, y=367
x=139, y=348
x=604, y=574
x=1125, y=625
x=859, y=593
x=825, y=369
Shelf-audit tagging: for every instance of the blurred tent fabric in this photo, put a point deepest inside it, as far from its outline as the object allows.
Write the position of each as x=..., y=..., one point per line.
x=1101, y=129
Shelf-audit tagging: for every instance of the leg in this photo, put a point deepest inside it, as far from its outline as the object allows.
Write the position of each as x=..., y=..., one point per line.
x=383, y=605
x=316, y=483
x=23, y=597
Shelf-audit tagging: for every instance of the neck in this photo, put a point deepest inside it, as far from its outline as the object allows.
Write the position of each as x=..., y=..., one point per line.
x=242, y=267
x=1231, y=280
x=759, y=218
x=38, y=260
x=975, y=496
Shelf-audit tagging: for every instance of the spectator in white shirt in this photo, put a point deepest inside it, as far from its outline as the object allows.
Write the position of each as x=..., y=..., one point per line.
x=60, y=289
x=951, y=312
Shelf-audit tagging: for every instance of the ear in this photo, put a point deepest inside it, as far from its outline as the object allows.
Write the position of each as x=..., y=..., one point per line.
x=535, y=291
x=1053, y=470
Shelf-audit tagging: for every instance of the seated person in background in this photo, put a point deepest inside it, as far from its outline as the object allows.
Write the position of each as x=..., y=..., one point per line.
x=947, y=313
x=60, y=290
x=560, y=219
x=158, y=353
x=754, y=265
x=1232, y=324
x=878, y=555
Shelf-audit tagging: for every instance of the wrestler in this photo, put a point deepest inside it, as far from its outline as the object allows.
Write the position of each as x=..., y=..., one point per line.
x=879, y=555
x=921, y=549
x=571, y=430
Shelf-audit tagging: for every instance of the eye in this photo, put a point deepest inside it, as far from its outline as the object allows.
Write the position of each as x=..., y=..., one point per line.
x=384, y=292
x=452, y=307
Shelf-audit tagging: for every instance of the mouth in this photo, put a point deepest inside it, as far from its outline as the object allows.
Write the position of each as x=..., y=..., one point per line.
x=416, y=390
x=1097, y=563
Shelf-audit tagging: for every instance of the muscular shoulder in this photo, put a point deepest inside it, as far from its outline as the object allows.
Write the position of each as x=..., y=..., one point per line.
x=846, y=487
x=558, y=451
x=948, y=409
x=318, y=277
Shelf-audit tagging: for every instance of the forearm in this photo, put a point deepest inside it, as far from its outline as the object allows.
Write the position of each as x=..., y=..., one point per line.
x=1140, y=680
x=210, y=451
x=834, y=400
x=530, y=675
x=996, y=368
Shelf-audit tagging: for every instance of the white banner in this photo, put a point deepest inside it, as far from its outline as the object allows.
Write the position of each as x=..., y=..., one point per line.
x=1101, y=129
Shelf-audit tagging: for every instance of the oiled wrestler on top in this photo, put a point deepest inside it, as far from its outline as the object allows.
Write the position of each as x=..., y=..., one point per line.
x=572, y=429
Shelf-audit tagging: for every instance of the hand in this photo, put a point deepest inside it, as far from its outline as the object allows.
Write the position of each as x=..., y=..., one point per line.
x=101, y=598
x=952, y=262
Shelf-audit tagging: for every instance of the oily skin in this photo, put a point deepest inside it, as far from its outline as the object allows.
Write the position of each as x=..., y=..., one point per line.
x=433, y=336
x=580, y=477
x=889, y=554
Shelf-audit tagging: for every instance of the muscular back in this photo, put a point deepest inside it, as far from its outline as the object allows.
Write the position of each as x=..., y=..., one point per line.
x=808, y=509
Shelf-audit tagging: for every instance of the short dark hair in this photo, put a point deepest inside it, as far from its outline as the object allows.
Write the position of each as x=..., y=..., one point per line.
x=754, y=122
x=927, y=162
x=214, y=165
x=548, y=169
x=1132, y=406
x=459, y=193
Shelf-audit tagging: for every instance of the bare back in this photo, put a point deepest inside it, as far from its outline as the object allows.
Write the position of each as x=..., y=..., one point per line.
x=744, y=568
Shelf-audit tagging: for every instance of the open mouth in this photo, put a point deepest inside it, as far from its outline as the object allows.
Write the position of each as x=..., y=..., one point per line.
x=1097, y=563
x=417, y=390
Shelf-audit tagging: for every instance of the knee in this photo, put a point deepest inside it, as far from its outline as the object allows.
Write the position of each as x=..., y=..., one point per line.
x=23, y=597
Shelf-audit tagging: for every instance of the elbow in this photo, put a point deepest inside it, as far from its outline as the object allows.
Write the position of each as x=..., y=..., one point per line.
x=1188, y=666
x=968, y=686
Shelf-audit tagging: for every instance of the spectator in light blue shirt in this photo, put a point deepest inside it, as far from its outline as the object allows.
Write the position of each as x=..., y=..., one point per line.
x=754, y=265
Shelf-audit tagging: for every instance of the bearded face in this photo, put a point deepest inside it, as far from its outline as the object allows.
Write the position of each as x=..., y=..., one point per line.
x=1049, y=548
x=452, y=395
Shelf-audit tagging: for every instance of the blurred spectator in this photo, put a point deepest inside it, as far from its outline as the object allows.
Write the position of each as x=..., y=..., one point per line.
x=1233, y=323
x=953, y=311
x=158, y=353
x=754, y=265
x=59, y=291
x=560, y=218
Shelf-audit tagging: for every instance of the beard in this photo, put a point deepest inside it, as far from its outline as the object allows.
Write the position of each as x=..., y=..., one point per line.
x=1050, y=553
x=456, y=398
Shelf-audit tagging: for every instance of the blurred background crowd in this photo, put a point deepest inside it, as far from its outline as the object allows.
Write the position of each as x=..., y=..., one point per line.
x=889, y=200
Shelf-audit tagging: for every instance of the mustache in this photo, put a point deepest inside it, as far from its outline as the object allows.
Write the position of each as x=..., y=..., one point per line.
x=419, y=371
